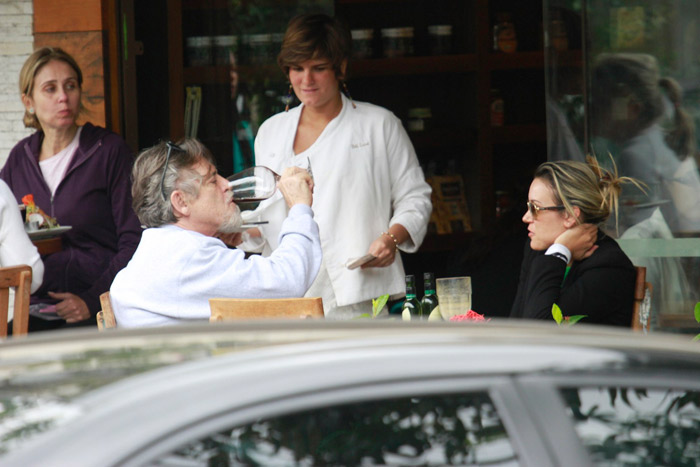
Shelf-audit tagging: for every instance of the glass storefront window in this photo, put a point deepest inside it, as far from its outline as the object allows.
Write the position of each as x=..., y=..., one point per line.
x=633, y=102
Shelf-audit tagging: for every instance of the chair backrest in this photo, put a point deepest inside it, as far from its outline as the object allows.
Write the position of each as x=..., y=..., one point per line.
x=19, y=277
x=105, y=317
x=641, y=315
x=263, y=308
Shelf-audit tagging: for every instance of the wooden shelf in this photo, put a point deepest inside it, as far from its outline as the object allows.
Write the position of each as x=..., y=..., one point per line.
x=516, y=60
x=353, y=2
x=441, y=137
x=532, y=59
x=567, y=58
x=205, y=4
x=358, y=68
x=222, y=74
x=413, y=65
x=373, y=67
x=524, y=133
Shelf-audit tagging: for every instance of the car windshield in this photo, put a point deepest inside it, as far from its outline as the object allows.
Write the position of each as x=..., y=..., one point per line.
x=36, y=391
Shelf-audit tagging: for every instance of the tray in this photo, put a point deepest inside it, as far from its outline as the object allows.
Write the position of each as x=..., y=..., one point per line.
x=42, y=234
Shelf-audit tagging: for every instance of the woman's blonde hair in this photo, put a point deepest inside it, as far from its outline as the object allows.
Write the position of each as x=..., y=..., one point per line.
x=31, y=67
x=586, y=185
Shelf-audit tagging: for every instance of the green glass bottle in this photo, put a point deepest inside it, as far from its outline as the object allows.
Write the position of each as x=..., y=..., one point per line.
x=411, y=306
x=429, y=300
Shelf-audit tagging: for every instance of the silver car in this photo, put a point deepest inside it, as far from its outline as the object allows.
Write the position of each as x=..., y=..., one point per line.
x=368, y=392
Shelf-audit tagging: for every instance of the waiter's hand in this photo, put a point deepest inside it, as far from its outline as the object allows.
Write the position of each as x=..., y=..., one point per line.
x=71, y=307
x=384, y=249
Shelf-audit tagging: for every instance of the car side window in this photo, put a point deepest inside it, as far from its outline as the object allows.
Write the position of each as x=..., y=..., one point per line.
x=460, y=429
x=636, y=426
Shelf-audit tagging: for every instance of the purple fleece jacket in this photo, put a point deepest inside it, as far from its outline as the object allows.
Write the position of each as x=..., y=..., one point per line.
x=94, y=198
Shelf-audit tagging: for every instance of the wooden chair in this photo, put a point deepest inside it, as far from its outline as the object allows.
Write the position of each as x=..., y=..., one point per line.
x=262, y=308
x=19, y=277
x=642, y=301
x=105, y=317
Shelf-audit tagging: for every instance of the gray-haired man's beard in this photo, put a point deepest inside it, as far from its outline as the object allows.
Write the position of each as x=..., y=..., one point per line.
x=233, y=223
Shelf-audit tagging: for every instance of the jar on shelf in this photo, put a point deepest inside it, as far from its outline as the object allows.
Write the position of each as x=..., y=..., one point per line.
x=419, y=118
x=362, y=43
x=440, y=39
x=225, y=48
x=504, y=36
x=260, y=48
x=397, y=42
x=198, y=50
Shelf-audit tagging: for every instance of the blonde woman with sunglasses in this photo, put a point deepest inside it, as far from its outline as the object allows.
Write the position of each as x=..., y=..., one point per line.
x=568, y=259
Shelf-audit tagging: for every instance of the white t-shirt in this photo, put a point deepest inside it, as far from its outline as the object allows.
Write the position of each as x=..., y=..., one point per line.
x=15, y=246
x=54, y=168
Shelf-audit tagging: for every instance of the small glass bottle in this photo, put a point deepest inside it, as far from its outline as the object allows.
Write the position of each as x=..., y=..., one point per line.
x=497, y=108
x=429, y=300
x=411, y=308
x=504, y=37
x=557, y=33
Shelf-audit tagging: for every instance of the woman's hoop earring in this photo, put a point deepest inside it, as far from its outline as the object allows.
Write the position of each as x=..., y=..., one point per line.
x=288, y=98
x=347, y=93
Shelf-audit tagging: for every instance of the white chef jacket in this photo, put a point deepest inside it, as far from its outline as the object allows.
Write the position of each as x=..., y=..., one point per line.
x=367, y=178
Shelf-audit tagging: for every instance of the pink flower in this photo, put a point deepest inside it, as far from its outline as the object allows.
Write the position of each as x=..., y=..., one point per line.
x=470, y=315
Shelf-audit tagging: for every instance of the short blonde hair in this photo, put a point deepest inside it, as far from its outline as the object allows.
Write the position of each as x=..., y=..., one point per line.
x=588, y=186
x=31, y=67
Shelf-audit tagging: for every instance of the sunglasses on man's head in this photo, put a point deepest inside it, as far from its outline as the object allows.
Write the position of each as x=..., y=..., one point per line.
x=171, y=146
x=534, y=209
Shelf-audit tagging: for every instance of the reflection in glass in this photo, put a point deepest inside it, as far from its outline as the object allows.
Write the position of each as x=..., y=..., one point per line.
x=444, y=430
x=634, y=101
x=36, y=394
x=637, y=426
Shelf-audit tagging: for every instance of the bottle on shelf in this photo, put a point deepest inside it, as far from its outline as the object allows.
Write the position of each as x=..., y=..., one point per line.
x=429, y=300
x=497, y=108
x=411, y=308
x=504, y=37
x=557, y=35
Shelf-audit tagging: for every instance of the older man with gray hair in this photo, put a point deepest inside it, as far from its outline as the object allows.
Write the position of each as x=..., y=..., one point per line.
x=182, y=261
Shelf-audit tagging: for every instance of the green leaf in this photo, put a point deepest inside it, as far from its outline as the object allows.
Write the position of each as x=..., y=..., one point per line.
x=363, y=315
x=697, y=338
x=576, y=318
x=697, y=312
x=556, y=313
x=378, y=303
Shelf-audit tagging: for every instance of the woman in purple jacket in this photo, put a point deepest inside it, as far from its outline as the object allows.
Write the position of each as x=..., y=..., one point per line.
x=80, y=176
